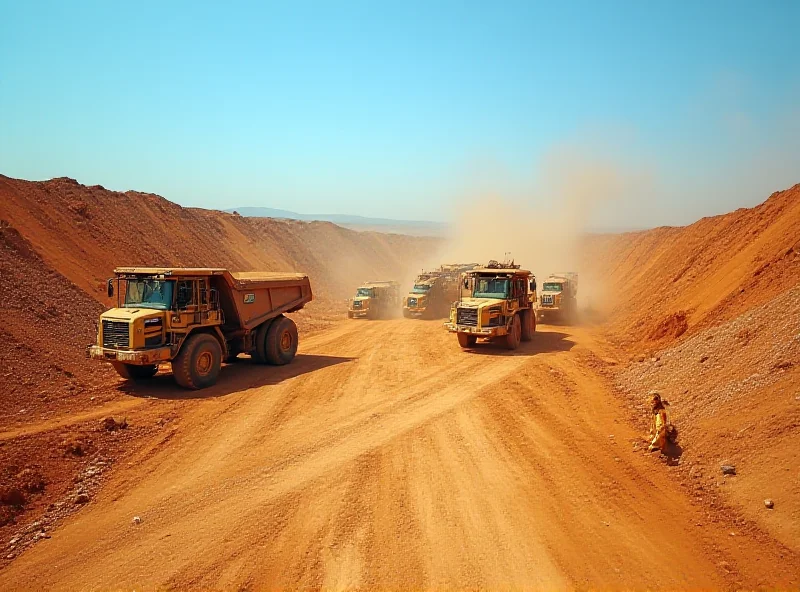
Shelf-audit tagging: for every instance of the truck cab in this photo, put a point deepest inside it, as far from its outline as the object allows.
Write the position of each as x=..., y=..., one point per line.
x=419, y=299
x=558, y=298
x=497, y=302
x=154, y=313
x=374, y=300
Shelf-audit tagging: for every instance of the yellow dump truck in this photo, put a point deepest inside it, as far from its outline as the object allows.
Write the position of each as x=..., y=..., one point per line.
x=375, y=300
x=196, y=318
x=497, y=302
x=434, y=292
x=559, y=298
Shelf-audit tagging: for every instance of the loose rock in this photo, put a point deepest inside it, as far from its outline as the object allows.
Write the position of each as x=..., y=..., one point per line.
x=112, y=425
x=728, y=469
x=769, y=504
x=81, y=498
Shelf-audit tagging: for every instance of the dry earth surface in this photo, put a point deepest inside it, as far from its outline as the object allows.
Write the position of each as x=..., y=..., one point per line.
x=385, y=456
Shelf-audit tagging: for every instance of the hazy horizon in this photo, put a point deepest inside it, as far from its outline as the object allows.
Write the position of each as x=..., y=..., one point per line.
x=675, y=112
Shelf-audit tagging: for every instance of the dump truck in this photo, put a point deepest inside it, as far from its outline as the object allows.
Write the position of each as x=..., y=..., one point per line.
x=195, y=318
x=559, y=297
x=434, y=292
x=375, y=300
x=496, y=303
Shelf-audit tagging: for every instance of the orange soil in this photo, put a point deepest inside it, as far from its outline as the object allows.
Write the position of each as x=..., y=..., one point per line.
x=385, y=456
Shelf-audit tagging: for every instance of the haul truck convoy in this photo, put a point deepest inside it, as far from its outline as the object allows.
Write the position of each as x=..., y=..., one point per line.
x=195, y=319
x=375, y=300
x=434, y=292
x=559, y=297
x=497, y=303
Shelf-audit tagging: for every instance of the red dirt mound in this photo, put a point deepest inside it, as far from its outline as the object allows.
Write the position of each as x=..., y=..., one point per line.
x=709, y=272
x=713, y=312
x=47, y=323
x=84, y=232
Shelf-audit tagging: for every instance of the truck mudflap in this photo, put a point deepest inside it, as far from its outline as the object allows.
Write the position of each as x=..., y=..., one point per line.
x=137, y=358
x=479, y=331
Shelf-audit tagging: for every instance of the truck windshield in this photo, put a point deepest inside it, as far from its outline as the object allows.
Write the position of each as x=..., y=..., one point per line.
x=420, y=288
x=366, y=292
x=146, y=293
x=551, y=287
x=490, y=288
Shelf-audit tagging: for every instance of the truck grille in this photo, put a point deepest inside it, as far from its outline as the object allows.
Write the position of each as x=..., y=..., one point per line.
x=116, y=334
x=467, y=316
x=548, y=300
x=412, y=302
x=356, y=304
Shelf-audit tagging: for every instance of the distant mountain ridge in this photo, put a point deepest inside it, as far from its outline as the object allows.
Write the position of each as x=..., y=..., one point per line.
x=420, y=227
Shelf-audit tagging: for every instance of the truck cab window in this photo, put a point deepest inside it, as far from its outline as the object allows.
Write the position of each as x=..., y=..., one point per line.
x=185, y=294
x=202, y=289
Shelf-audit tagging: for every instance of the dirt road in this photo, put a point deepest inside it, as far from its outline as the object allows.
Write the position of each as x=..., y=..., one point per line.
x=384, y=456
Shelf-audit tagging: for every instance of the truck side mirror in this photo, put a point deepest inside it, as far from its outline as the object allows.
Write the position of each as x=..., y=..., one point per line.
x=466, y=283
x=533, y=286
x=110, y=288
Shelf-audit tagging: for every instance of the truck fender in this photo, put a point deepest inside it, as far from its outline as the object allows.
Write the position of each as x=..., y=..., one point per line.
x=215, y=331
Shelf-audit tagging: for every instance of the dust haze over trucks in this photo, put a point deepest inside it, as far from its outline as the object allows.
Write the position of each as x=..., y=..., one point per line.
x=497, y=302
x=197, y=317
x=375, y=300
x=434, y=291
x=558, y=299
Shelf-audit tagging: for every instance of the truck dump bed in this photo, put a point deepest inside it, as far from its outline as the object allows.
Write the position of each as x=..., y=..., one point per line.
x=253, y=297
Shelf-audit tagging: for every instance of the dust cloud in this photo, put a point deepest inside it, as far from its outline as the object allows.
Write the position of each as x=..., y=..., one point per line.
x=543, y=224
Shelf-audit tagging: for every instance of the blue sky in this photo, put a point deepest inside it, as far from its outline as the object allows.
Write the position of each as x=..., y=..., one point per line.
x=393, y=110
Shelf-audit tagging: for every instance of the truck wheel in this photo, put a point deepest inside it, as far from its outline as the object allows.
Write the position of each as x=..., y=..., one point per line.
x=132, y=372
x=406, y=313
x=197, y=364
x=349, y=314
x=513, y=337
x=528, y=324
x=467, y=340
x=260, y=354
x=280, y=345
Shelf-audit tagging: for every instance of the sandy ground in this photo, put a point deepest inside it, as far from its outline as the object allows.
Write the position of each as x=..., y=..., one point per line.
x=385, y=456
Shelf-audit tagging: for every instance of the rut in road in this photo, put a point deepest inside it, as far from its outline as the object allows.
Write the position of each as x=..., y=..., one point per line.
x=408, y=462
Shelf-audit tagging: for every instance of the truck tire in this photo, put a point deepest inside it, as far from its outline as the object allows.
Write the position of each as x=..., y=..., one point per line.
x=467, y=340
x=528, y=324
x=133, y=372
x=260, y=354
x=280, y=346
x=515, y=334
x=198, y=363
x=349, y=314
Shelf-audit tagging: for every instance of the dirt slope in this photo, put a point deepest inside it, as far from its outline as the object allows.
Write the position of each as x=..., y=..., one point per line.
x=664, y=282
x=710, y=316
x=84, y=232
x=734, y=394
x=369, y=465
